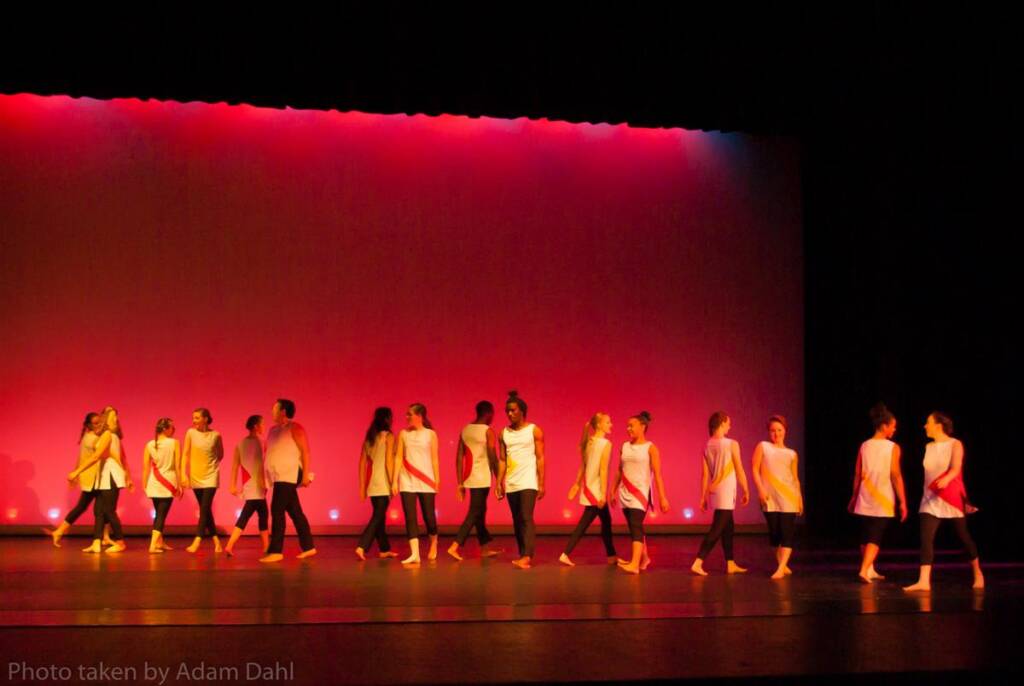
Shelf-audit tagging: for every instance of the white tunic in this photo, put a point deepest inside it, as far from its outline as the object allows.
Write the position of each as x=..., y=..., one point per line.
x=203, y=462
x=417, y=452
x=284, y=460
x=721, y=474
x=160, y=456
x=875, y=495
x=781, y=487
x=249, y=452
x=592, y=472
x=378, y=462
x=520, y=459
x=474, y=437
x=937, y=458
x=636, y=466
x=112, y=473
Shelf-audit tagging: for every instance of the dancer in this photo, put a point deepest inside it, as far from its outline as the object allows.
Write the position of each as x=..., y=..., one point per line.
x=113, y=475
x=521, y=474
x=202, y=455
x=91, y=428
x=592, y=486
x=417, y=476
x=376, y=465
x=476, y=460
x=638, y=460
x=877, y=481
x=944, y=499
x=248, y=462
x=721, y=469
x=161, y=464
x=778, y=488
x=288, y=466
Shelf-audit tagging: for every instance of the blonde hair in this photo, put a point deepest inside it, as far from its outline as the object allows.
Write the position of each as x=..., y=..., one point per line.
x=589, y=428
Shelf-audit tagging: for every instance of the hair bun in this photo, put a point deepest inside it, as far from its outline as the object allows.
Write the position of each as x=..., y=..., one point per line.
x=645, y=414
x=513, y=393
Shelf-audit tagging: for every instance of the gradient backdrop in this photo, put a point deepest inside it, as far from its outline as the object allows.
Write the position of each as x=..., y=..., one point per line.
x=161, y=256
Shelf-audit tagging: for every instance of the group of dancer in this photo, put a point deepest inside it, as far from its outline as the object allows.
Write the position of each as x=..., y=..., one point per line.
x=511, y=463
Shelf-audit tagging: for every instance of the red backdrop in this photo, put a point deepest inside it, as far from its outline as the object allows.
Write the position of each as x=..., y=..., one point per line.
x=161, y=256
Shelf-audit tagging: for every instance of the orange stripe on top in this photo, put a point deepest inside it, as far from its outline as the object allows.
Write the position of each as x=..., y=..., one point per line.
x=883, y=500
x=726, y=471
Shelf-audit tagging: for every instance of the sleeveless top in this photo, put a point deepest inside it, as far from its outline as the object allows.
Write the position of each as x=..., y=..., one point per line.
x=636, y=467
x=520, y=459
x=378, y=464
x=111, y=473
x=87, y=478
x=474, y=437
x=284, y=460
x=416, y=448
x=160, y=456
x=937, y=458
x=203, y=464
x=875, y=495
x=592, y=472
x=777, y=477
x=721, y=474
x=250, y=468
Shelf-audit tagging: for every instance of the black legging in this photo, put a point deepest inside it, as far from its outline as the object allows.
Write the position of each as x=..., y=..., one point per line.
x=377, y=526
x=930, y=526
x=635, y=520
x=781, y=528
x=722, y=527
x=105, y=512
x=161, y=506
x=286, y=501
x=412, y=529
x=521, y=503
x=257, y=505
x=205, y=526
x=589, y=512
x=476, y=516
x=84, y=498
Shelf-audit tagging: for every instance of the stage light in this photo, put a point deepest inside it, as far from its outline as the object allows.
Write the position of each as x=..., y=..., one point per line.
x=238, y=513
x=12, y=513
x=654, y=514
x=567, y=513
x=687, y=513
x=152, y=514
x=333, y=514
x=53, y=513
x=393, y=514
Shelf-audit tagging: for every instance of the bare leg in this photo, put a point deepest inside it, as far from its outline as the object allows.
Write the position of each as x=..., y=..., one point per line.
x=414, y=554
x=867, y=564
x=154, y=542
x=698, y=567
x=230, y=547
x=979, y=578
x=924, y=580
x=783, y=557
x=453, y=550
x=432, y=554
x=564, y=559
x=633, y=566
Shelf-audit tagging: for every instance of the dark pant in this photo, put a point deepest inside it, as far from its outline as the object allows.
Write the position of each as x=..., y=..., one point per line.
x=84, y=498
x=872, y=529
x=930, y=526
x=257, y=505
x=589, y=513
x=635, y=520
x=722, y=527
x=521, y=503
x=161, y=506
x=105, y=512
x=377, y=526
x=286, y=500
x=475, y=517
x=412, y=529
x=206, y=525
x=781, y=528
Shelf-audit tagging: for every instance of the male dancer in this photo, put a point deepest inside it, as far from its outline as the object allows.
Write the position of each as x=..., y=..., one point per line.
x=288, y=466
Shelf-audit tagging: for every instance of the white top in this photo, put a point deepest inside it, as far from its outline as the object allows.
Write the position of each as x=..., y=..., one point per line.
x=937, y=458
x=284, y=460
x=592, y=472
x=636, y=466
x=520, y=459
x=781, y=487
x=721, y=474
x=474, y=437
x=87, y=478
x=203, y=463
x=416, y=447
x=249, y=452
x=875, y=496
x=112, y=473
x=378, y=461
x=160, y=456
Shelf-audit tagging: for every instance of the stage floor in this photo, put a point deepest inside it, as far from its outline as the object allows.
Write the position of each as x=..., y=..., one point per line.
x=333, y=618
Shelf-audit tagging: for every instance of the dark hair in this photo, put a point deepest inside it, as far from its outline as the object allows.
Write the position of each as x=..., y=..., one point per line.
x=777, y=418
x=252, y=421
x=206, y=413
x=420, y=410
x=644, y=417
x=483, y=407
x=288, y=407
x=87, y=424
x=513, y=397
x=161, y=426
x=382, y=418
x=880, y=416
x=716, y=420
x=945, y=420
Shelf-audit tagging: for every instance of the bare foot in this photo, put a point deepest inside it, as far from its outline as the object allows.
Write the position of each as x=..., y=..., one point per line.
x=564, y=559
x=645, y=563
x=865, y=579
x=873, y=575
x=55, y=534
x=919, y=586
x=107, y=540
x=432, y=553
x=779, y=574
x=698, y=568
x=411, y=560
x=453, y=550
x=165, y=546
x=632, y=569
x=229, y=552
x=306, y=553
x=117, y=547
x=979, y=583
x=387, y=555
x=733, y=568
x=361, y=554
x=522, y=563
x=272, y=557
x=787, y=571
x=217, y=548
x=155, y=549
x=193, y=547
x=491, y=552
x=94, y=548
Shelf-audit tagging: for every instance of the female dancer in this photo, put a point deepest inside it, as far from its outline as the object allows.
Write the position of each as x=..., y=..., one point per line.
x=521, y=474
x=248, y=461
x=721, y=468
x=476, y=459
x=417, y=475
x=944, y=498
x=111, y=477
x=376, y=465
x=592, y=486
x=778, y=488
x=877, y=481
x=161, y=463
x=638, y=459
x=202, y=455
x=91, y=428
